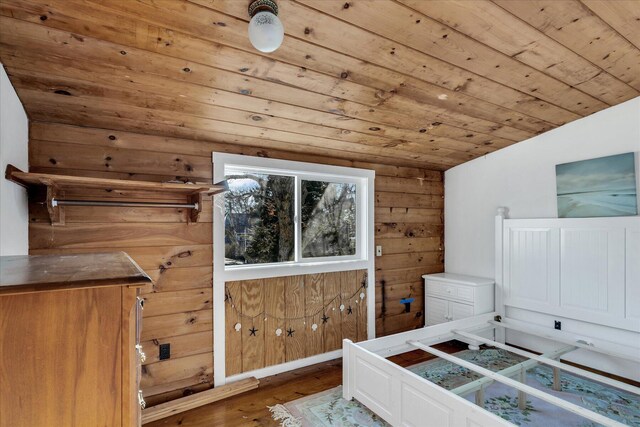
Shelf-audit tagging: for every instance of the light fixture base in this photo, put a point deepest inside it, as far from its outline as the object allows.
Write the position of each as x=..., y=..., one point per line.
x=262, y=6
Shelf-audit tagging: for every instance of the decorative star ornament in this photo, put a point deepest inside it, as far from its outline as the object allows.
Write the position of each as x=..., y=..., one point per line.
x=325, y=319
x=290, y=332
x=253, y=331
x=349, y=310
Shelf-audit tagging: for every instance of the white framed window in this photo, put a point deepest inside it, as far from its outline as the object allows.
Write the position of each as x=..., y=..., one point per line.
x=283, y=218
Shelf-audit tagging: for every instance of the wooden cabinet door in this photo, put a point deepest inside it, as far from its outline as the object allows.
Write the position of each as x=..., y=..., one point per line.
x=437, y=311
x=60, y=359
x=460, y=311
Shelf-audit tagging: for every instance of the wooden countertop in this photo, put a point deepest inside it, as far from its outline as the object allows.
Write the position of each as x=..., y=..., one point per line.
x=20, y=274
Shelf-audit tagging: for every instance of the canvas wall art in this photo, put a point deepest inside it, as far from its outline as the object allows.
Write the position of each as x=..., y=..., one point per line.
x=605, y=186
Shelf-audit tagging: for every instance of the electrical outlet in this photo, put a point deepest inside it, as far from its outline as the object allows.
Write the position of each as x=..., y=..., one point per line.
x=378, y=250
x=557, y=324
x=165, y=351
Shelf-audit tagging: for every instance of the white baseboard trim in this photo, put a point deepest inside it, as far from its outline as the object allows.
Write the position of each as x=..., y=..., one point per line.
x=284, y=367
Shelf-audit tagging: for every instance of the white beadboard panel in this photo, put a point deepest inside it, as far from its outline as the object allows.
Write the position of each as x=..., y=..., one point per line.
x=531, y=261
x=632, y=293
x=460, y=311
x=592, y=264
x=585, y=269
x=437, y=311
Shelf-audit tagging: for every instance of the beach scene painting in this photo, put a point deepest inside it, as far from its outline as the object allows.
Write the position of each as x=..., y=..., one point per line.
x=605, y=186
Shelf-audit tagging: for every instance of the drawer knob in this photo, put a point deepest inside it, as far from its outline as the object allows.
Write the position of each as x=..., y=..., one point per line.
x=141, y=401
x=141, y=355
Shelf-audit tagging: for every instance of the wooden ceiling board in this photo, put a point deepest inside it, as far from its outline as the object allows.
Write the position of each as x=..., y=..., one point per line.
x=622, y=15
x=338, y=66
x=524, y=43
x=371, y=48
x=182, y=100
x=430, y=37
x=430, y=84
x=60, y=43
x=573, y=24
x=272, y=84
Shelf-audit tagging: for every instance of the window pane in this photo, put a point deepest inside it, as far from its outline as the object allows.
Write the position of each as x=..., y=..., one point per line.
x=259, y=214
x=328, y=219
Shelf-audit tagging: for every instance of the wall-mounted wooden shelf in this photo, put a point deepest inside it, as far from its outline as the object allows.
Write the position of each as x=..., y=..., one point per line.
x=56, y=186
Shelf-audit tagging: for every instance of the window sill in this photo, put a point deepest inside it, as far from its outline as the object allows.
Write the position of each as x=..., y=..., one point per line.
x=293, y=269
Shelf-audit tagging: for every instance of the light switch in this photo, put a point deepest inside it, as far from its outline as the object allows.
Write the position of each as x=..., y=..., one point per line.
x=378, y=250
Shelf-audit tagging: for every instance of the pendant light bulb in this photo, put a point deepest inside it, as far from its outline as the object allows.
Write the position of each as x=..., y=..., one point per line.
x=266, y=32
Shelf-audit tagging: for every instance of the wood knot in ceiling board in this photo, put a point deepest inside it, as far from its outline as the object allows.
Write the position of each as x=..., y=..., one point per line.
x=344, y=74
x=393, y=144
x=112, y=137
x=53, y=161
x=220, y=24
x=256, y=118
x=346, y=5
x=308, y=31
x=374, y=128
x=62, y=92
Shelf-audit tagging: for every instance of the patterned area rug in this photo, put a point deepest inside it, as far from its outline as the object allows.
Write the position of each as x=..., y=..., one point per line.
x=328, y=409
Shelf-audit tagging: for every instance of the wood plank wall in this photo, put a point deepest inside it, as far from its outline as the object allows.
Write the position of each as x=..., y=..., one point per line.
x=312, y=314
x=178, y=256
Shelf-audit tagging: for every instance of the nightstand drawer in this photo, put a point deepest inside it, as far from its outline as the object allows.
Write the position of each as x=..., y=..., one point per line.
x=464, y=293
x=440, y=289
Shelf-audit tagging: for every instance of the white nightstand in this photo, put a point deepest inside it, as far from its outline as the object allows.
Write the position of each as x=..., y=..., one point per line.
x=450, y=296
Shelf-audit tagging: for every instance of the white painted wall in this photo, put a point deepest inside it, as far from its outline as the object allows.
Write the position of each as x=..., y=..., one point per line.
x=522, y=178
x=14, y=140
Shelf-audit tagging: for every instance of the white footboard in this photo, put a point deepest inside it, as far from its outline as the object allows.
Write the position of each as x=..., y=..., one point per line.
x=402, y=398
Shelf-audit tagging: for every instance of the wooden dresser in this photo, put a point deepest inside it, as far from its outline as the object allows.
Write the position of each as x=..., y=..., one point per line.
x=69, y=327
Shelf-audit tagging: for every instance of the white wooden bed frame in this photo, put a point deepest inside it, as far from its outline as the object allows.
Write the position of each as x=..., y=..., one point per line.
x=403, y=398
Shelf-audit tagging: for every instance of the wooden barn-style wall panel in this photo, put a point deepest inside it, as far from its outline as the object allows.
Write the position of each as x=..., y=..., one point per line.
x=178, y=255
x=288, y=318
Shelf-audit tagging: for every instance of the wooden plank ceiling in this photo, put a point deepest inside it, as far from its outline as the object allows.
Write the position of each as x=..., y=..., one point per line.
x=405, y=82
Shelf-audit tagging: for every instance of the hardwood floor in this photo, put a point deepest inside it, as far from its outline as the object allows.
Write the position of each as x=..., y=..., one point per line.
x=250, y=409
